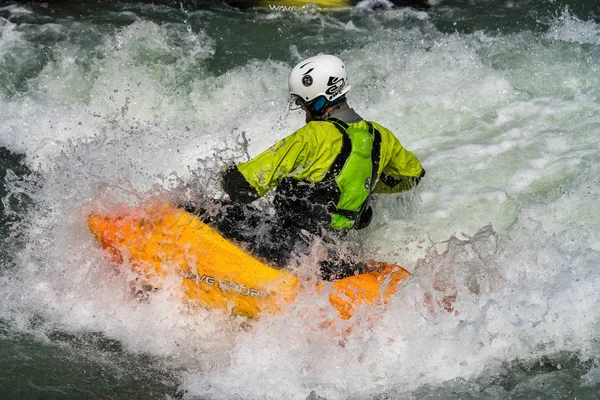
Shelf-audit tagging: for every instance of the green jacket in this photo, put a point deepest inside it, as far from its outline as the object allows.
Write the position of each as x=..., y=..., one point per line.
x=307, y=155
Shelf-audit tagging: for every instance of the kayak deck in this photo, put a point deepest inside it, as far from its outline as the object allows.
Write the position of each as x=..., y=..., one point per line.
x=157, y=240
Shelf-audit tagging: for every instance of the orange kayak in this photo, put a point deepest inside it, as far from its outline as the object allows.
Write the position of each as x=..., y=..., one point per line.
x=159, y=240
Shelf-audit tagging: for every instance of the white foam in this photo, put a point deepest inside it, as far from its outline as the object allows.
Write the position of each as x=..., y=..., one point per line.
x=15, y=9
x=569, y=28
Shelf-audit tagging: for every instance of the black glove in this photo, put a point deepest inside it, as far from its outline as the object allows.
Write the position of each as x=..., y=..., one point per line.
x=237, y=187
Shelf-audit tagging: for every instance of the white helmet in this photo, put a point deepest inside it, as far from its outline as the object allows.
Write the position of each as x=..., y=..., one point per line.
x=319, y=81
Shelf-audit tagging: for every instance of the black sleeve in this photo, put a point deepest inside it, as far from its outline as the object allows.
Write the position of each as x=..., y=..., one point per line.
x=237, y=187
x=406, y=181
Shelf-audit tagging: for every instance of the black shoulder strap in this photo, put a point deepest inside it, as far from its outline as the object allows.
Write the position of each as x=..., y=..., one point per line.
x=339, y=122
x=343, y=155
x=375, y=152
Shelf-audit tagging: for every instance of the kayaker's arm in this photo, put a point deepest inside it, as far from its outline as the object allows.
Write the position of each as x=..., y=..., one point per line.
x=402, y=171
x=250, y=180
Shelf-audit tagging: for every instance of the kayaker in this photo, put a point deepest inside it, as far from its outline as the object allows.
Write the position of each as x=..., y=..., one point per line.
x=323, y=175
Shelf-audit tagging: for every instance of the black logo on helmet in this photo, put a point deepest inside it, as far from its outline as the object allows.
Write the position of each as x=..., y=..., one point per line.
x=335, y=85
x=307, y=80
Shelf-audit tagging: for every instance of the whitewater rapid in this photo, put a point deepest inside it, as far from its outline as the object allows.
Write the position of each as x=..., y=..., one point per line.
x=506, y=126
